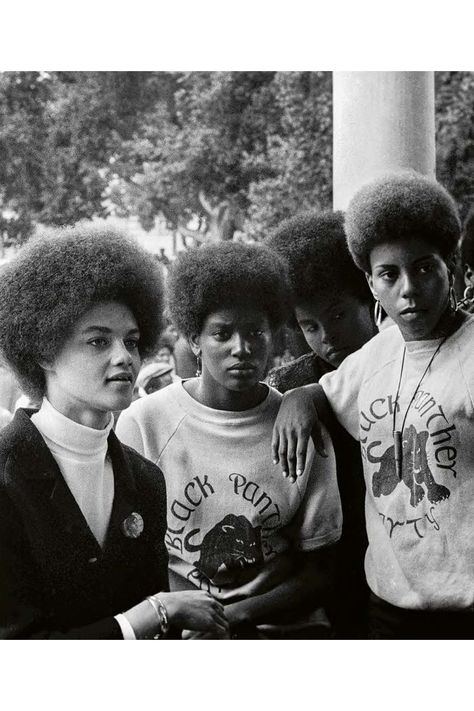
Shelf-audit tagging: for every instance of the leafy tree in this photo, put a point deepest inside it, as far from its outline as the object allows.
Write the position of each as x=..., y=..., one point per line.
x=23, y=130
x=455, y=135
x=213, y=152
x=240, y=150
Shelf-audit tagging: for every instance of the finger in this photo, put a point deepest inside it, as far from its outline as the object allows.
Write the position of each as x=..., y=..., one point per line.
x=301, y=452
x=318, y=440
x=223, y=628
x=291, y=458
x=282, y=455
x=275, y=445
x=221, y=619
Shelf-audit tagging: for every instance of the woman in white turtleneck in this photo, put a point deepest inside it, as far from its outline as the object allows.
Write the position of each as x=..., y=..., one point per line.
x=83, y=518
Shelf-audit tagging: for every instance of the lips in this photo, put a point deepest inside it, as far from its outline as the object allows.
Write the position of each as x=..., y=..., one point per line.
x=242, y=368
x=334, y=353
x=412, y=312
x=120, y=378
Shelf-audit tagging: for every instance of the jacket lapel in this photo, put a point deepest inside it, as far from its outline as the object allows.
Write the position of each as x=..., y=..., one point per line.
x=34, y=462
x=126, y=496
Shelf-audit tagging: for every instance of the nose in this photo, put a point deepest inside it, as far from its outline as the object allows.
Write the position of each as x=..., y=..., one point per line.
x=327, y=334
x=240, y=345
x=408, y=286
x=120, y=353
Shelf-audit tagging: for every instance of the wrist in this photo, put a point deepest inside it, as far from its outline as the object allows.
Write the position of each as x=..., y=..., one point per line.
x=161, y=613
x=143, y=620
x=237, y=614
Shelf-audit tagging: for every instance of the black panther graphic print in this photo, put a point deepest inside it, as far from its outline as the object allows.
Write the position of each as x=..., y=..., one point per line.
x=416, y=473
x=233, y=543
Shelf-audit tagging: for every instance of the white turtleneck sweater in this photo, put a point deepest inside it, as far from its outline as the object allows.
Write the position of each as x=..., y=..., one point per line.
x=81, y=455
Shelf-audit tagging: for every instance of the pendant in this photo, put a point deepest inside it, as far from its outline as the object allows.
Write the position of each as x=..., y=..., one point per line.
x=133, y=525
x=398, y=453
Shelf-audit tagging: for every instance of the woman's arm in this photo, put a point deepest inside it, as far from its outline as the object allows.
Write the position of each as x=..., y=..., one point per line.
x=188, y=609
x=299, y=417
x=25, y=609
x=310, y=584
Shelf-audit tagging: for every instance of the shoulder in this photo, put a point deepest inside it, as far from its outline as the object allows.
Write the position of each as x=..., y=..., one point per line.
x=144, y=472
x=464, y=333
x=164, y=405
x=461, y=342
x=19, y=433
x=376, y=353
x=306, y=369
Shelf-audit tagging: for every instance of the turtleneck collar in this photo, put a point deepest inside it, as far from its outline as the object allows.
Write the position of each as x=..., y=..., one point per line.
x=68, y=436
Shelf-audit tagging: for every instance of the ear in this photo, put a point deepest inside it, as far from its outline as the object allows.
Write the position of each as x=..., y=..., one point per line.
x=370, y=282
x=468, y=276
x=194, y=342
x=452, y=268
x=46, y=365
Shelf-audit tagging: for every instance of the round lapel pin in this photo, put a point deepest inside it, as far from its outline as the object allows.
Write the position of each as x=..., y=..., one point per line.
x=133, y=525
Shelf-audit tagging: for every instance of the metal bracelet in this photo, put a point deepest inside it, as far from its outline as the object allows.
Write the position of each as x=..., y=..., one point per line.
x=156, y=607
x=165, y=625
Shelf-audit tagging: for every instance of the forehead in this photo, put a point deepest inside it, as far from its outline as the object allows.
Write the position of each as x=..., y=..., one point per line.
x=111, y=315
x=236, y=316
x=403, y=252
x=325, y=303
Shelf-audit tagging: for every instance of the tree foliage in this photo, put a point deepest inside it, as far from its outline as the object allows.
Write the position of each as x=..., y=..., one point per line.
x=212, y=152
x=455, y=135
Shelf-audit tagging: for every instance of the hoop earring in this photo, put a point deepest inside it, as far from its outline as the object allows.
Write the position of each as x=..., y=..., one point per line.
x=453, y=302
x=468, y=293
x=198, y=365
x=378, y=313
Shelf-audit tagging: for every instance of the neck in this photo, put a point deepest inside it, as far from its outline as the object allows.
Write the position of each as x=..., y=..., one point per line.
x=94, y=419
x=449, y=322
x=232, y=400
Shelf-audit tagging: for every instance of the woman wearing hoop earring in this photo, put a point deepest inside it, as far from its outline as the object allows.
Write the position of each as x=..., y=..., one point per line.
x=261, y=545
x=467, y=259
x=407, y=396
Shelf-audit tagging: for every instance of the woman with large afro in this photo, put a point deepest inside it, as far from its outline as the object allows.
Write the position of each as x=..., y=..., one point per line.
x=407, y=396
x=83, y=518
x=259, y=544
x=333, y=307
x=332, y=301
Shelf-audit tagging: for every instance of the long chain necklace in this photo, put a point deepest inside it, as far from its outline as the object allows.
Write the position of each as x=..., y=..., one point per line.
x=397, y=434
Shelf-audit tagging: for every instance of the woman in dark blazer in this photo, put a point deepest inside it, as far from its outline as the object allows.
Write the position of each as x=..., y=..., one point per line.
x=82, y=517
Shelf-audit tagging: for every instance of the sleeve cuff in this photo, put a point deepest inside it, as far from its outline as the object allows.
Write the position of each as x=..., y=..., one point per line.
x=125, y=626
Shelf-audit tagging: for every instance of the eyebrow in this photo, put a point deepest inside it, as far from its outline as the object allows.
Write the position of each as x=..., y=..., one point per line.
x=105, y=329
x=418, y=259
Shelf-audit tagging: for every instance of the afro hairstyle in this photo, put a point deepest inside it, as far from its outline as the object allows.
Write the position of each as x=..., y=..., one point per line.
x=206, y=279
x=58, y=276
x=314, y=246
x=467, y=241
x=397, y=207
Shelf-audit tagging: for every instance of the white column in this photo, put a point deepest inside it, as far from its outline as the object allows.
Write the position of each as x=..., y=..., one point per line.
x=383, y=121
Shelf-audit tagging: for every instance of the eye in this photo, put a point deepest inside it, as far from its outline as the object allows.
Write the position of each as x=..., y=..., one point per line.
x=222, y=335
x=338, y=316
x=99, y=342
x=257, y=333
x=310, y=328
x=132, y=343
x=425, y=268
x=388, y=275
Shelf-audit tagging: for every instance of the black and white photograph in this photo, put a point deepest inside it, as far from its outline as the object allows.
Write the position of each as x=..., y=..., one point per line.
x=236, y=370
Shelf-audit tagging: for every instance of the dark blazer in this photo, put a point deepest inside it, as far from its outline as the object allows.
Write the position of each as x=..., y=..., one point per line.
x=55, y=579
